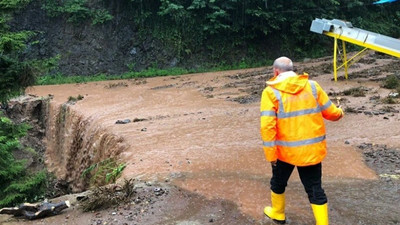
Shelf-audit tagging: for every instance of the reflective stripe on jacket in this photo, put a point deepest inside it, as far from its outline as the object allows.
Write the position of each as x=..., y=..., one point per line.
x=292, y=125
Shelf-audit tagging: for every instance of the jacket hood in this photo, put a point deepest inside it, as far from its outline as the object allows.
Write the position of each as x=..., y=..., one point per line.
x=289, y=82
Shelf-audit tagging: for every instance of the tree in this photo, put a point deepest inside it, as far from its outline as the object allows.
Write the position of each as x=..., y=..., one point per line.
x=16, y=184
x=15, y=73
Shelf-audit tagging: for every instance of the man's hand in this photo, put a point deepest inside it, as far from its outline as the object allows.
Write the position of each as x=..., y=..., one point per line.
x=273, y=163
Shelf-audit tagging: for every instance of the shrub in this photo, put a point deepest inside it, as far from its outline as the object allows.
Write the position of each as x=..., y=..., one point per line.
x=389, y=100
x=104, y=172
x=391, y=82
x=355, y=92
x=108, y=196
x=16, y=184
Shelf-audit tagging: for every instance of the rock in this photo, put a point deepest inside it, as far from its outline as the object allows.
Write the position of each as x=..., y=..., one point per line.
x=158, y=191
x=346, y=142
x=173, y=62
x=139, y=120
x=138, y=201
x=133, y=51
x=125, y=121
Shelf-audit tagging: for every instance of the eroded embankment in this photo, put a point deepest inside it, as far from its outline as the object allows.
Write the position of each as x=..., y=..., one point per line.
x=65, y=142
x=74, y=143
x=33, y=111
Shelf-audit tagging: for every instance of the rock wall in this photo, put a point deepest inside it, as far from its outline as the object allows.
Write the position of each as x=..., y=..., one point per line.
x=85, y=49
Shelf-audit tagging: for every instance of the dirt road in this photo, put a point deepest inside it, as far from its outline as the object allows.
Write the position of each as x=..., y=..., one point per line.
x=200, y=133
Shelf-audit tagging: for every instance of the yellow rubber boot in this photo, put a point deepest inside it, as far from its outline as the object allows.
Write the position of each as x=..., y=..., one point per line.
x=320, y=214
x=277, y=211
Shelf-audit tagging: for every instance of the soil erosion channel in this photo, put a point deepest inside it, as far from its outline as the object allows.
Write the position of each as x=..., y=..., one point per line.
x=200, y=132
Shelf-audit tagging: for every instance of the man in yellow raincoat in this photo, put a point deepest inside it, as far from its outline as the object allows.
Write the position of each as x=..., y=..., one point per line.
x=293, y=109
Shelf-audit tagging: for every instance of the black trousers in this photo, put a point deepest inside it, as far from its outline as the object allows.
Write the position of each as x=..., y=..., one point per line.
x=310, y=176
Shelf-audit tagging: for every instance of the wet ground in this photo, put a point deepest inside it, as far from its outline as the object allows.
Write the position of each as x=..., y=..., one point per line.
x=199, y=134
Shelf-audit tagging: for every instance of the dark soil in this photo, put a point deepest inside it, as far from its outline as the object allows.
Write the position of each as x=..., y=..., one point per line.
x=149, y=203
x=385, y=161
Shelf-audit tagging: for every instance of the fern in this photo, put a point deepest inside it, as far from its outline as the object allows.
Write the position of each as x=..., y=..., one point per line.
x=116, y=172
x=104, y=172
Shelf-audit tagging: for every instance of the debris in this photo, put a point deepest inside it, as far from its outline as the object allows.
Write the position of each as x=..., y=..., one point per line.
x=125, y=121
x=139, y=120
x=338, y=100
x=392, y=176
x=36, y=211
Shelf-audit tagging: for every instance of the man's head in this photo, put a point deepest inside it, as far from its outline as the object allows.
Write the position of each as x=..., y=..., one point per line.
x=282, y=64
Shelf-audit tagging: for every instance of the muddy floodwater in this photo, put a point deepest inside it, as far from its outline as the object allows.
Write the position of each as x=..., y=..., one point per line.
x=200, y=133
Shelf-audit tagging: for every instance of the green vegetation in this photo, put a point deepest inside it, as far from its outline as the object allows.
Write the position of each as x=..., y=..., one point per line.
x=355, y=92
x=222, y=27
x=76, y=11
x=226, y=34
x=104, y=172
x=212, y=33
x=60, y=79
x=389, y=100
x=391, y=82
x=150, y=72
x=16, y=183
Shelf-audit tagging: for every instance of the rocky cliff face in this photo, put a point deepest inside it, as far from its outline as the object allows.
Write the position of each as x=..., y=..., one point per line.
x=85, y=49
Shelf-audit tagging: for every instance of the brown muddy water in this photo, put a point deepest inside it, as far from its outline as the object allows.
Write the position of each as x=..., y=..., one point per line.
x=200, y=132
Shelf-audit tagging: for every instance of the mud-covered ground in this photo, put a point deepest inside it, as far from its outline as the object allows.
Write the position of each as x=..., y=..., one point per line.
x=193, y=142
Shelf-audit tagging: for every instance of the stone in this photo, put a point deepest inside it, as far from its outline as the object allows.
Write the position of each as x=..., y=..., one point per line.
x=125, y=121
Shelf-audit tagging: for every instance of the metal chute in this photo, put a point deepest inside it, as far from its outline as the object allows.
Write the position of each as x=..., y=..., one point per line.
x=344, y=30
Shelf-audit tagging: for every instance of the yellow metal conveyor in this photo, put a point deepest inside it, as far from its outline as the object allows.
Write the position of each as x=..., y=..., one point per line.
x=343, y=30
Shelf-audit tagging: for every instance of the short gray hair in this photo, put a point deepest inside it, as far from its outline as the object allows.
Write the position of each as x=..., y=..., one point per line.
x=283, y=63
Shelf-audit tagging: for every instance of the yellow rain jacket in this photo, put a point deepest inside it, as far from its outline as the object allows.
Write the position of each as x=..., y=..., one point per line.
x=292, y=126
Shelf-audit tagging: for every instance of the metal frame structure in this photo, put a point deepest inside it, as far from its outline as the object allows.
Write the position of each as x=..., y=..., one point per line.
x=343, y=30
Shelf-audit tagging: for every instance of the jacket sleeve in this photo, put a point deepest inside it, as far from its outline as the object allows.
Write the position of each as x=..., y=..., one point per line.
x=268, y=118
x=328, y=108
